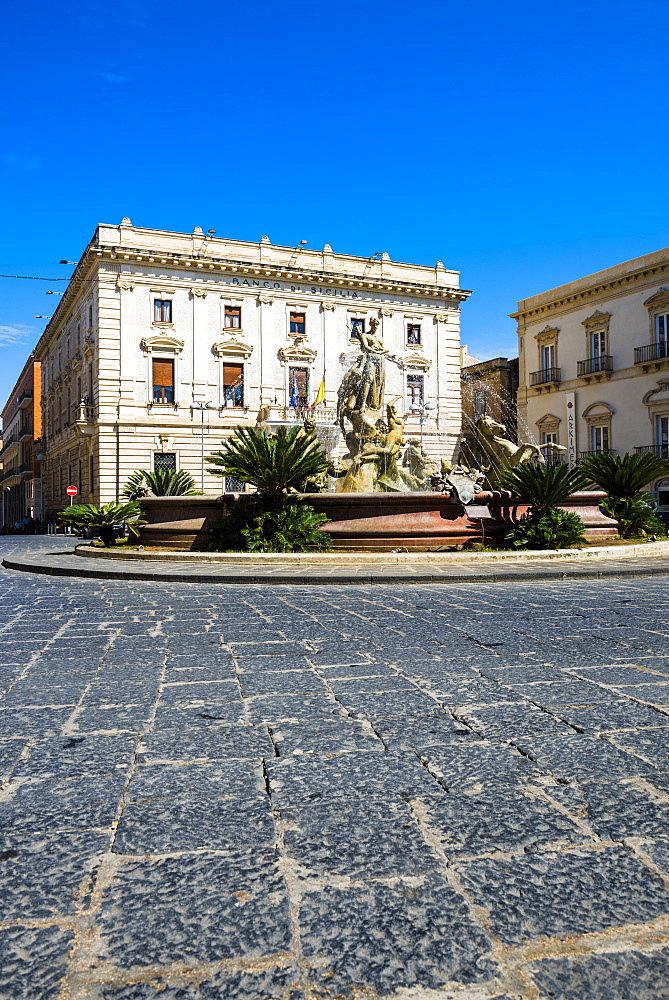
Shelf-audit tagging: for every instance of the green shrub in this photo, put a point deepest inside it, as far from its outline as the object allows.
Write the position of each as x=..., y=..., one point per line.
x=543, y=486
x=547, y=528
x=101, y=520
x=254, y=525
x=161, y=483
x=635, y=518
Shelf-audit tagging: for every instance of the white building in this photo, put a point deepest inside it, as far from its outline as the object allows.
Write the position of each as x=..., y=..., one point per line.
x=154, y=321
x=594, y=357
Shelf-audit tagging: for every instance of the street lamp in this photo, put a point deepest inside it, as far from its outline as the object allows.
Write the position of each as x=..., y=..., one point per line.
x=201, y=407
x=422, y=409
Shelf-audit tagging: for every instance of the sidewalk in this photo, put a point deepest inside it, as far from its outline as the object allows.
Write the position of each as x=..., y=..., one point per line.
x=344, y=568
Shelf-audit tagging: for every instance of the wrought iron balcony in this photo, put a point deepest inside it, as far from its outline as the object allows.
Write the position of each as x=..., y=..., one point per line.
x=661, y=450
x=597, y=451
x=651, y=352
x=547, y=376
x=592, y=366
x=555, y=457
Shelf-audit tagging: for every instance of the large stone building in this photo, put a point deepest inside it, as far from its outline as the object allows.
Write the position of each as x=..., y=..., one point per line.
x=153, y=322
x=594, y=362
x=20, y=478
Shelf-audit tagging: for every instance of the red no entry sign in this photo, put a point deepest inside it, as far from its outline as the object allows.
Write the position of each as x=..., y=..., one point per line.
x=72, y=491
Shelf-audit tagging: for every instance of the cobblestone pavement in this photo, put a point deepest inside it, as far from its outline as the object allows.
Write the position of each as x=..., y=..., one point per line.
x=224, y=793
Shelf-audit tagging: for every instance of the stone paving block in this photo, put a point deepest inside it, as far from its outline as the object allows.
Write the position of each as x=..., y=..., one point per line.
x=624, y=808
x=185, y=695
x=580, y=756
x=33, y=962
x=204, y=908
x=208, y=714
x=561, y=695
x=161, y=825
x=618, y=674
x=206, y=743
x=74, y=756
x=324, y=736
x=614, y=715
x=73, y=804
x=280, y=682
x=374, y=684
x=627, y=975
x=384, y=705
x=47, y=875
x=305, y=778
x=420, y=733
x=33, y=722
x=528, y=673
x=379, y=938
x=278, y=982
x=650, y=745
x=112, y=719
x=511, y=721
x=10, y=751
x=473, y=692
x=274, y=709
x=479, y=764
x=120, y=692
x=656, y=694
x=559, y=894
x=498, y=819
x=182, y=782
x=25, y=694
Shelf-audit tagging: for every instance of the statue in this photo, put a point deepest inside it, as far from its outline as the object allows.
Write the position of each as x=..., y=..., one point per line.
x=503, y=453
x=419, y=468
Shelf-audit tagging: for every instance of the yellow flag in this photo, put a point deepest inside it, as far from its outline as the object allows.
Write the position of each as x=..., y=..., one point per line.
x=320, y=395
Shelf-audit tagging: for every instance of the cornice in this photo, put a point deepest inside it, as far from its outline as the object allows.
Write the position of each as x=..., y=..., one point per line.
x=621, y=284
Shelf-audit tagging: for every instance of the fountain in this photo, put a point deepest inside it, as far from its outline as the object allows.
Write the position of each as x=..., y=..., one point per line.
x=385, y=493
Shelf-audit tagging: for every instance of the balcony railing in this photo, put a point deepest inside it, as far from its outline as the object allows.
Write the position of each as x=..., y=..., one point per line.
x=603, y=363
x=651, y=352
x=547, y=376
x=597, y=451
x=83, y=412
x=661, y=450
x=25, y=398
x=555, y=457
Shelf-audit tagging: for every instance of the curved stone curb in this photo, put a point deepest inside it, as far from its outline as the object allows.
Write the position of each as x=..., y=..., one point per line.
x=352, y=575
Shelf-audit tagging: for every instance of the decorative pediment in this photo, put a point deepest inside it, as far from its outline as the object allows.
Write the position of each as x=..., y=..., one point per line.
x=414, y=359
x=232, y=348
x=598, y=412
x=548, y=333
x=298, y=353
x=548, y=420
x=162, y=342
x=661, y=390
x=658, y=299
x=598, y=319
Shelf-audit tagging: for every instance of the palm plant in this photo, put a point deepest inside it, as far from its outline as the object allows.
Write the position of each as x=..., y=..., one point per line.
x=102, y=520
x=544, y=487
x=161, y=483
x=623, y=479
x=274, y=464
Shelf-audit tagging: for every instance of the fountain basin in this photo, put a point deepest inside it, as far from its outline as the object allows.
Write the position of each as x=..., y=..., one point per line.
x=377, y=522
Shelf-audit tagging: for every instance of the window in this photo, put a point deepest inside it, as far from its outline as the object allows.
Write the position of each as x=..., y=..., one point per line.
x=233, y=385
x=413, y=334
x=357, y=327
x=414, y=390
x=61, y=477
x=298, y=387
x=79, y=475
x=90, y=317
x=164, y=461
x=480, y=403
x=662, y=334
x=91, y=474
x=599, y=438
x=163, y=381
x=162, y=311
x=597, y=344
x=53, y=483
x=233, y=485
x=662, y=435
x=297, y=323
x=233, y=317
x=547, y=357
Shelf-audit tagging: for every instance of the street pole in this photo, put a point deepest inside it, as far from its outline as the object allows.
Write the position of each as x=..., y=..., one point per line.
x=201, y=407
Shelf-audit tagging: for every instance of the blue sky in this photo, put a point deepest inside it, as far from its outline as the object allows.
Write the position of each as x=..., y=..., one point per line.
x=523, y=144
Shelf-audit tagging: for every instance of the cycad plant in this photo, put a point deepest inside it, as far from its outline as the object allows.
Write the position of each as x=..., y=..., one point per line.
x=161, y=483
x=273, y=520
x=624, y=478
x=102, y=520
x=273, y=463
x=544, y=487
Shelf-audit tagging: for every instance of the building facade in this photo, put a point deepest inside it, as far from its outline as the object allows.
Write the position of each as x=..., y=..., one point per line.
x=594, y=362
x=21, y=468
x=154, y=323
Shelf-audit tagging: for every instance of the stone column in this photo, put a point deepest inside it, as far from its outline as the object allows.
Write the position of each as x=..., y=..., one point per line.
x=199, y=345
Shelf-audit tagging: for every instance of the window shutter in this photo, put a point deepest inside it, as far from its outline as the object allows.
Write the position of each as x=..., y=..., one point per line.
x=232, y=374
x=163, y=373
